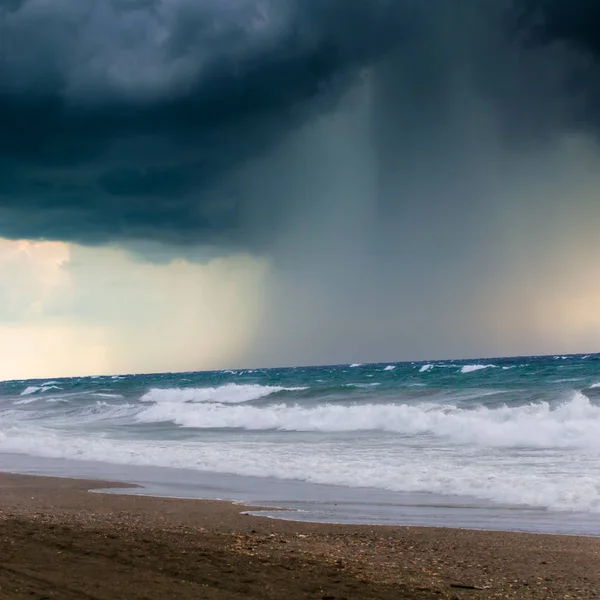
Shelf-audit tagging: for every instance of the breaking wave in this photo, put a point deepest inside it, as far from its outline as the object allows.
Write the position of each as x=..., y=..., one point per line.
x=573, y=424
x=473, y=368
x=230, y=393
x=569, y=486
x=34, y=389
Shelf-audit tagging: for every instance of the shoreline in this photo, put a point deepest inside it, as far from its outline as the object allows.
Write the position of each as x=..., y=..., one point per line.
x=121, y=488
x=130, y=483
x=58, y=540
x=270, y=512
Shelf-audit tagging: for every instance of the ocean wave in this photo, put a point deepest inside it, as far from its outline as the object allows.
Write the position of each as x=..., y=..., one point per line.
x=390, y=368
x=34, y=389
x=27, y=400
x=31, y=389
x=573, y=424
x=361, y=385
x=426, y=368
x=231, y=393
x=104, y=411
x=414, y=470
x=473, y=368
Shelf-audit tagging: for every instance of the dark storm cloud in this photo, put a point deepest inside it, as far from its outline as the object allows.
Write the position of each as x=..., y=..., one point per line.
x=576, y=25
x=576, y=22
x=132, y=119
x=122, y=119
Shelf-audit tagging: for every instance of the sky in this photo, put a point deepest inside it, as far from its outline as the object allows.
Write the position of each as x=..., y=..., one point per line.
x=192, y=184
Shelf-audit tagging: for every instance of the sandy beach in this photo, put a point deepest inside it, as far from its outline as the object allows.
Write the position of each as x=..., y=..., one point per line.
x=60, y=541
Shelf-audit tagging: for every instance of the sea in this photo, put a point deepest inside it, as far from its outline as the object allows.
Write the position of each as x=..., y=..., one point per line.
x=509, y=444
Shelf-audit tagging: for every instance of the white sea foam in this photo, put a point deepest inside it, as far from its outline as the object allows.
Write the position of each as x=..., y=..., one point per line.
x=31, y=389
x=27, y=400
x=473, y=368
x=34, y=389
x=425, y=368
x=231, y=393
x=574, y=424
x=595, y=385
x=390, y=368
x=355, y=365
x=550, y=479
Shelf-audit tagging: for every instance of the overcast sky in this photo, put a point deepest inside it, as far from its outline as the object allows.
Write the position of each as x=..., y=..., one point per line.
x=192, y=184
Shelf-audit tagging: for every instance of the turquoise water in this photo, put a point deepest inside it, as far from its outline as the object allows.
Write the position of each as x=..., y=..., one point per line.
x=517, y=437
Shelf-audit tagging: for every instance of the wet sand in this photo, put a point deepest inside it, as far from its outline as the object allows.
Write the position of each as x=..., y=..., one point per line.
x=59, y=541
